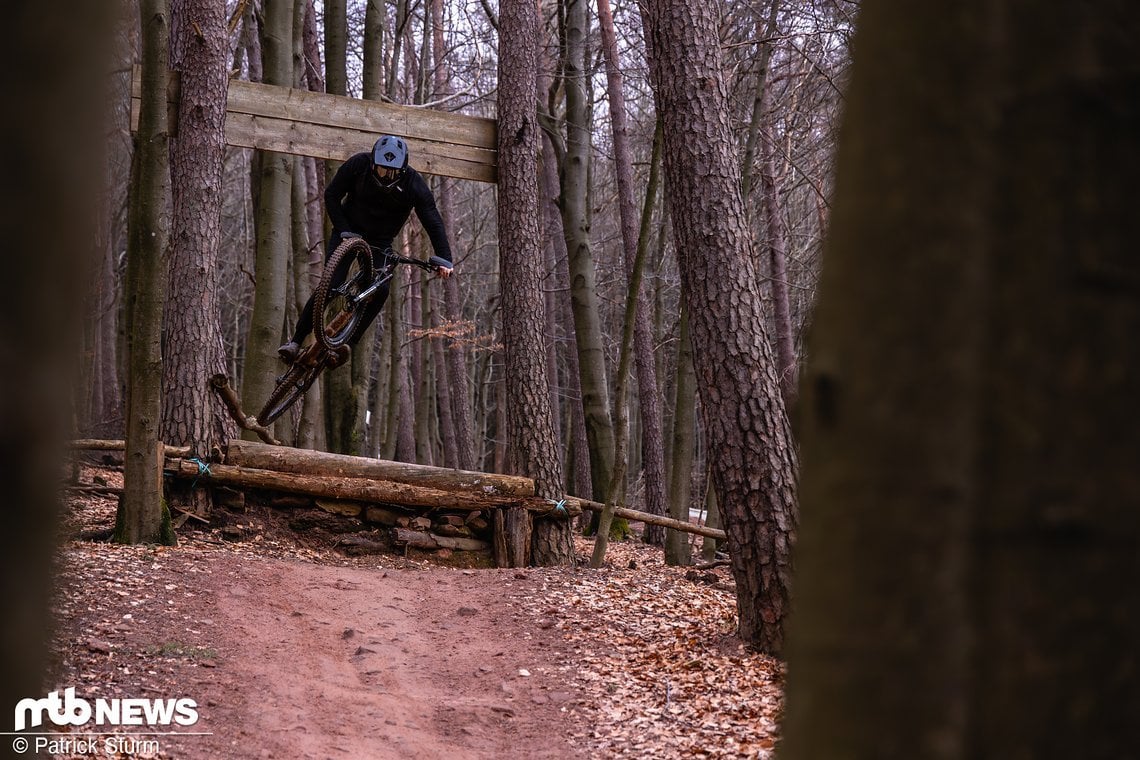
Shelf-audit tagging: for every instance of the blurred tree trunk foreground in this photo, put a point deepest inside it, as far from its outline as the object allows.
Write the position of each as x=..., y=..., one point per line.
x=971, y=497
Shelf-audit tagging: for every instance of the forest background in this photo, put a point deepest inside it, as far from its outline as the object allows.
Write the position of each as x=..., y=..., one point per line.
x=407, y=400
x=1031, y=161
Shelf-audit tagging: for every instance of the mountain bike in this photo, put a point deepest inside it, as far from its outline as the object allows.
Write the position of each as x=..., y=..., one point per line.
x=338, y=311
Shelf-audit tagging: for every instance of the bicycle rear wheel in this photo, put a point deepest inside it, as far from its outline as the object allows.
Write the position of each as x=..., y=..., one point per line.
x=292, y=386
x=335, y=311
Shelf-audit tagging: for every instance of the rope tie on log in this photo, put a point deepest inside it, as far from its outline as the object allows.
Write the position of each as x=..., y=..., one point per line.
x=560, y=507
x=203, y=469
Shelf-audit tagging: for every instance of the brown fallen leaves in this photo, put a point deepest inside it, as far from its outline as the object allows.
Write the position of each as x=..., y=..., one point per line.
x=654, y=666
x=657, y=657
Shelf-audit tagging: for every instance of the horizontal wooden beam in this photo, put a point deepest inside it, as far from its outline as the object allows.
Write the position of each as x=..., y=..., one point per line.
x=99, y=444
x=360, y=489
x=299, y=122
x=325, y=464
x=645, y=517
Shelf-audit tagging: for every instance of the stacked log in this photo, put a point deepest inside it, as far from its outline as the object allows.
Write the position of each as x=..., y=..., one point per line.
x=421, y=507
x=427, y=508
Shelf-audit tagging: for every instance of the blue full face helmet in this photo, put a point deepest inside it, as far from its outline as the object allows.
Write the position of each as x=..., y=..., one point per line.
x=389, y=160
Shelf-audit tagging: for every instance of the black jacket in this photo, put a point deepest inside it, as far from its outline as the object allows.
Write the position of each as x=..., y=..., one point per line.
x=356, y=202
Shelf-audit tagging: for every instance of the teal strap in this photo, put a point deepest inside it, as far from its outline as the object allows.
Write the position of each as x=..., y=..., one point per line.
x=560, y=506
x=203, y=469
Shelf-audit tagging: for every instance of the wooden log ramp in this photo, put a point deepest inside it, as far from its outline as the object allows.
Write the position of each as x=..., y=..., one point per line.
x=424, y=507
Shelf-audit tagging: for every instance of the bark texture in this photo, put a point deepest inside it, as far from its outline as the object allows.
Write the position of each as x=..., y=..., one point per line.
x=753, y=461
x=576, y=227
x=971, y=496
x=193, y=336
x=532, y=447
x=140, y=514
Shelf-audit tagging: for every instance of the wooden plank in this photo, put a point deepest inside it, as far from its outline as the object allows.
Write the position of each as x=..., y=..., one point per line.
x=299, y=122
x=369, y=116
x=299, y=138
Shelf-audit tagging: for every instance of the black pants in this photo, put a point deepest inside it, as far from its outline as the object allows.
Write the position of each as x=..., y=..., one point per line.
x=373, y=307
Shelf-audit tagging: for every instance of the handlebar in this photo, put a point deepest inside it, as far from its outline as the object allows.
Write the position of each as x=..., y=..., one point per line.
x=433, y=264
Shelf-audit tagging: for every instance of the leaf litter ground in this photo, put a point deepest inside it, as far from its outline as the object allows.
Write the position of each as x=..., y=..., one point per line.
x=402, y=657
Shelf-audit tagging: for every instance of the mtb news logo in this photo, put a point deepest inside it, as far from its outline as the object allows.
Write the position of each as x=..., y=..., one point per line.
x=75, y=711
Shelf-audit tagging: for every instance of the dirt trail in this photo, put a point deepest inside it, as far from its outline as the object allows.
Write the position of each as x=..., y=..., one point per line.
x=318, y=661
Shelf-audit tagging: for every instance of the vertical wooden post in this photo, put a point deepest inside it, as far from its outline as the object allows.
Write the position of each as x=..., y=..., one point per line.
x=510, y=546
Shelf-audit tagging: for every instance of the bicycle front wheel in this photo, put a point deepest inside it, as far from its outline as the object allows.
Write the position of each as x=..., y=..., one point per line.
x=292, y=386
x=336, y=313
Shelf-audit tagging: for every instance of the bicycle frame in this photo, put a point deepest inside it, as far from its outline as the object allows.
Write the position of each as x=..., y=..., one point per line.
x=319, y=355
x=384, y=273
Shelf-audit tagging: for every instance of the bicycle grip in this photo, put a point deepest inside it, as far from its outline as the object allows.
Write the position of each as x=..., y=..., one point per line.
x=438, y=263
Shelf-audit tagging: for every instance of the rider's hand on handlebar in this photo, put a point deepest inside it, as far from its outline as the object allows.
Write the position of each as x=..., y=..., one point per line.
x=441, y=265
x=349, y=235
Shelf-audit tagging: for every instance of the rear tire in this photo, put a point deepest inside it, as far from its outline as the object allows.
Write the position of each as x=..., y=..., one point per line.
x=334, y=320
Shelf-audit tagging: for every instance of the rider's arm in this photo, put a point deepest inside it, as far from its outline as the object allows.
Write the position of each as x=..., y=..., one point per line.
x=339, y=187
x=430, y=218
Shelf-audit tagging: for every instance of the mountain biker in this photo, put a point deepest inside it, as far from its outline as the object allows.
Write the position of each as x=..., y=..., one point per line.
x=371, y=196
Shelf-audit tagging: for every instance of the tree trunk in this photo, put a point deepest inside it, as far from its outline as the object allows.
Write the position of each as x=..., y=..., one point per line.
x=405, y=419
x=53, y=138
x=455, y=354
x=776, y=235
x=397, y=42
x=712, y=519
x=681, y=467
x=751, y=450
x=193, y=350
x=372, y=70
x=532, y=448
x=616, y=492
x=348, y=390
x=309, y=419
x=576, y=227
x=274, y=228
x=336, y=45
x=141, y=515
x=102, y=414
x=577, y=459
x=971, y=497
x=652, y=446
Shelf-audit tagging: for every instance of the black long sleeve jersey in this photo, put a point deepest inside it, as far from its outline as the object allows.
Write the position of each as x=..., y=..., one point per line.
x=356, y=202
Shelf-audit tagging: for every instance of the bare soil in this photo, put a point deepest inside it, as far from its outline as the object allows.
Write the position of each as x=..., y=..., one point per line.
x=292, y=650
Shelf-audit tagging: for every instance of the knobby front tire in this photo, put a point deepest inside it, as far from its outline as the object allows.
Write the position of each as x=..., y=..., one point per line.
x=292, y=386
x=334, y=322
